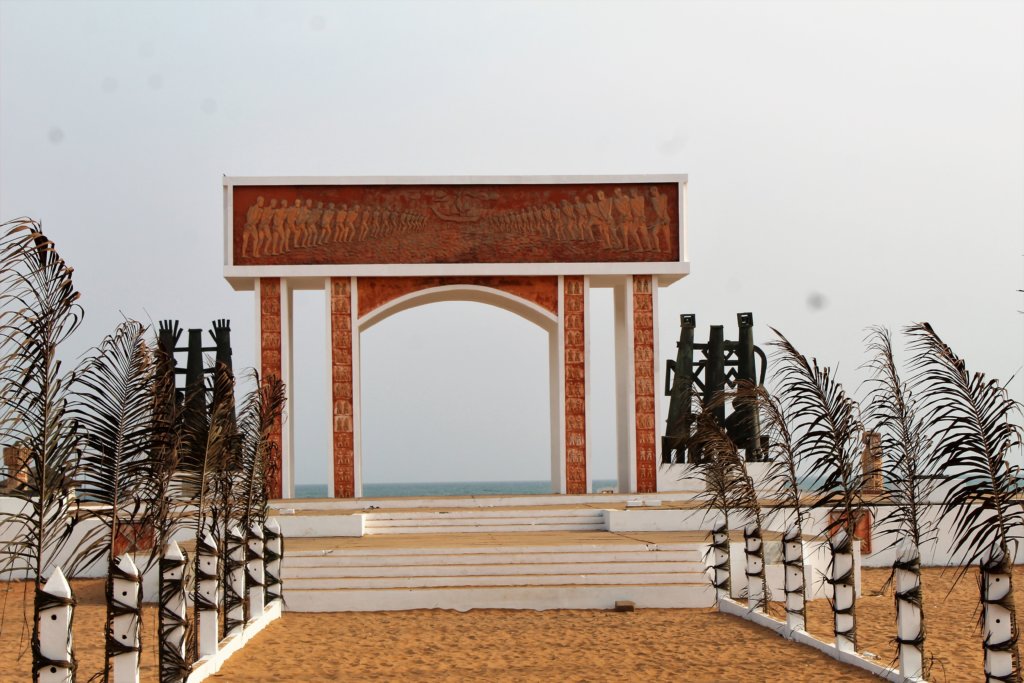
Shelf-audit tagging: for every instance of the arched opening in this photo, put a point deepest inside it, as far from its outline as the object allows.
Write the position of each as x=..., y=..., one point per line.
x=456, y=397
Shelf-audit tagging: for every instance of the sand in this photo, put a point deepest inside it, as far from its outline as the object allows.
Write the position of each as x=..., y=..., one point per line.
x=561, y=645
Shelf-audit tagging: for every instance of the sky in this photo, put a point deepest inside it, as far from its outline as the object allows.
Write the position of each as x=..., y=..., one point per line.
x=849, y=164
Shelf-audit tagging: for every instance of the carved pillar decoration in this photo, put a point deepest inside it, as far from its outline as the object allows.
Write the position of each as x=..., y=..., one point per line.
x=270, y=362
x=341, y=387
x=643, y=374
x=573, y=298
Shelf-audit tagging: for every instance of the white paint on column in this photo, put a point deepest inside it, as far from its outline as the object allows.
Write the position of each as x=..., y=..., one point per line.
x=755, y=589
x=236, y=577
x=658, y=378
x=172, y=632
x=623, y=362
x=558, y=464
x=586, y=383
x=256, y=572
x=125, y=627
x=209, y=625
x=908, y=615
x=793, y=550
x=357, y=410
x=328, y=301
x=843, y=595
x=997, y=626
x=287, y=376
x=55, y=641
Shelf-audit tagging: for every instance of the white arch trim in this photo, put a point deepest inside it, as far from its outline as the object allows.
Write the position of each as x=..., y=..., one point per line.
x=479, y=293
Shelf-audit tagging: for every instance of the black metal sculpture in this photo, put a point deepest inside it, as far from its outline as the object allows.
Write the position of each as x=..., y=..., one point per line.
x=193, y=397
x=725, y=364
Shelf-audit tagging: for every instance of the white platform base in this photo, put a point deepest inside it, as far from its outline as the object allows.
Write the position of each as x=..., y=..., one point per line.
x=208, y=666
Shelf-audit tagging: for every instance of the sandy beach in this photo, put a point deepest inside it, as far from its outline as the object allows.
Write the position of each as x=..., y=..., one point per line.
x=559, y=645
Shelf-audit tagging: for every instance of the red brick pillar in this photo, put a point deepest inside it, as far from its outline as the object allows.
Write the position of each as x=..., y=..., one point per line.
x=270, y=362
x=575, y=358
x=341, y=387
x=643, y=379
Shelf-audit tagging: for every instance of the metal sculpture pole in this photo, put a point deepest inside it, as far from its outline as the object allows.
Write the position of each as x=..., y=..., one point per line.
x=679, y=386
x=174, y=666
x=255, y=578
x=53, y=656
x=794, y=581
x=123, y=645
x=234, y=582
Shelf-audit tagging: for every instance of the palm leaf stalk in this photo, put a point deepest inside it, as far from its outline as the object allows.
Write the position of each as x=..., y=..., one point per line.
x=827, y=430
x=114, y=406
x=718, y=474
x=740, y=496
x=261, y=409
x=38, y=311
x=783, y=486
x=206, y=449
x=893, y=414
x=970, y=419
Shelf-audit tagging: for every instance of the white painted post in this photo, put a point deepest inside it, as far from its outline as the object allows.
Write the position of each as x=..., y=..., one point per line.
x=719, y=552
x=843, y=597
x=908, y=614
x=172, y=615
x=207, y=596
x=273, y=550
x=55, y=646
x=754, y=567
x=255, y=571
x=127, y=585
x=793, y=562
x=234, y=609
x=997, y=630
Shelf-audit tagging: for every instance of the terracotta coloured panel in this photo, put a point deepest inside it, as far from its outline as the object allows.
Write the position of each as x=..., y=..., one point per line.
x=270, y=361
x=643, y=364
x=374, y=292
x=341, y=388
x=409, y=224
x=575, y=386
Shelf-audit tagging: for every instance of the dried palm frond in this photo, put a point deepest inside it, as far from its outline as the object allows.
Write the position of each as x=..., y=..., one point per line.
x=827, y=432
x=114, y=406
x=38, y=311
x=261, y=409
x=970, y=420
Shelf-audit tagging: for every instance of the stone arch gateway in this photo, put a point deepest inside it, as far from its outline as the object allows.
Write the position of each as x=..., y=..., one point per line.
x=534, y=246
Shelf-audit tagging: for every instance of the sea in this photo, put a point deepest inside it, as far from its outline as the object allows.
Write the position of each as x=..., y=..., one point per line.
x=445, y=488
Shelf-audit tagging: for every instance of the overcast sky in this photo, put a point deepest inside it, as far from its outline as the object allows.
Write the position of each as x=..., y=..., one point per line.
x=849, y=163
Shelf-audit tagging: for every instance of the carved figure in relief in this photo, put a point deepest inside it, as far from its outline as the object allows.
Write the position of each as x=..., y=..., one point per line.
x=327, y=222
x=639, y=206
x=624, y=218
x=313, y=223
x=351, y=222
x=264, y=236
x=252, y=220
x=662, y=233
x=604, y=205
x=291, y=216
x=280, y=234
x=306, y=229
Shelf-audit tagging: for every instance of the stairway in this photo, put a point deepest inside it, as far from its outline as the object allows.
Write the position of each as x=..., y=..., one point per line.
x=483, y=521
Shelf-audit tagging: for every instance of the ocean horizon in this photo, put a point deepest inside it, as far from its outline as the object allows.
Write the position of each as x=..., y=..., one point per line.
x=445, y=488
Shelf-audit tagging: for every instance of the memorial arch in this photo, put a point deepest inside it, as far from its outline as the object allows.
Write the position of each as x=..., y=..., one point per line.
x=532, y=246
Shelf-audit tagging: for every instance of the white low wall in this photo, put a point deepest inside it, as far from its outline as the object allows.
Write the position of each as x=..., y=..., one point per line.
x=638, y=519
x=298, y=526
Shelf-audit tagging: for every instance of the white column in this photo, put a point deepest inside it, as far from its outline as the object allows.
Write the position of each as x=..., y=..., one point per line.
x=558, y=463
x=234, y=613
x=843, y=590
x=256, y=576
x=273, y=551
x=755, y=567
x=357, y=410
x=55, y=643
x=172, y=609
x=625, y=387
x=719, y=557
x=586, y=381
x=793, y=563
x=125, y=627
x=997, y=627
x=207, y=597
x=287, y=374
x=329, y=398
x=908, y=614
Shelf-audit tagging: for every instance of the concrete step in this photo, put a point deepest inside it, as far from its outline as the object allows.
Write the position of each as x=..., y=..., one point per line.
x=570, y=579
x=478, y=520
x=666, y=595
x=454, y=570
x=525, y=549
x=486, y=513
x=482, y=529
x=341, y=558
